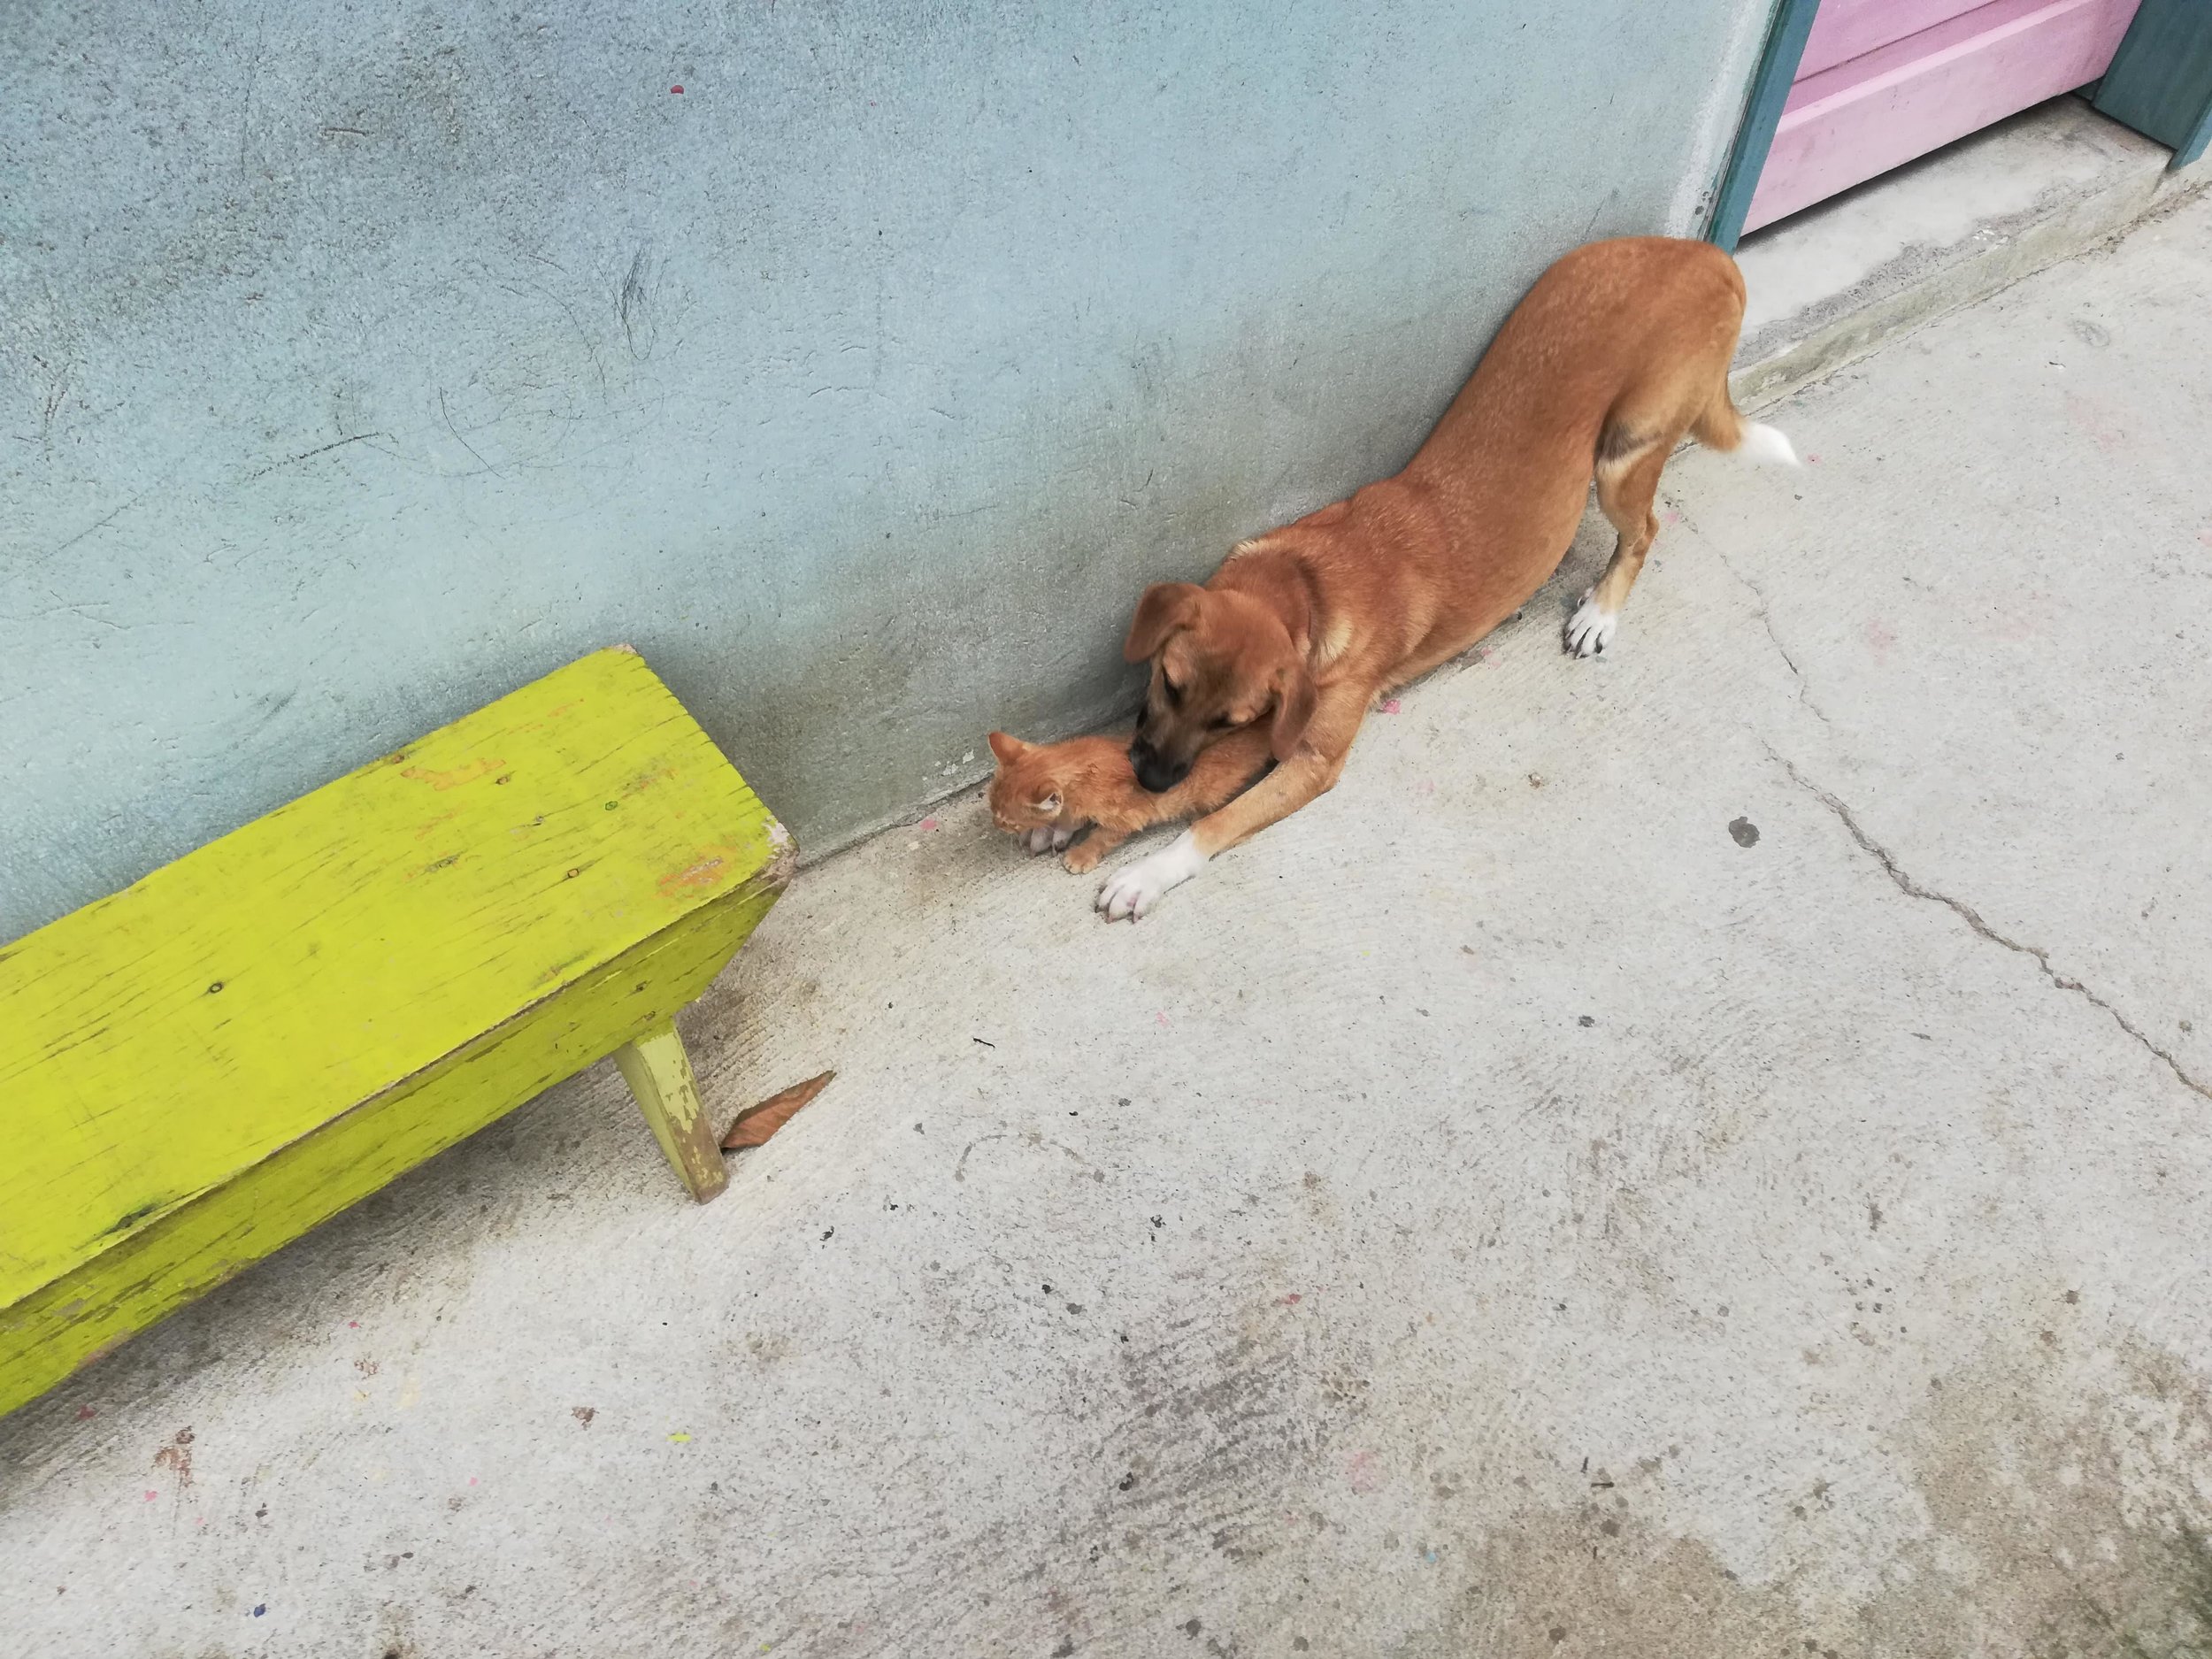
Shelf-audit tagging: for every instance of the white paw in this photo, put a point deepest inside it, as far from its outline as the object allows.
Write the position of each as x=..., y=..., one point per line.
x=1133, y=890
x=1038, y=839
x=1590, y=630
x=1061, y=838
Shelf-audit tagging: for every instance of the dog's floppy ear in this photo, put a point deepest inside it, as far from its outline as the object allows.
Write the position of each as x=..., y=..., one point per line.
x=1295, y=699
x=1009, y=749
x=1165, y=607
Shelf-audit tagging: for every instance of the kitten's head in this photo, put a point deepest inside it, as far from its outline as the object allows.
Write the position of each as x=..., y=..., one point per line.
x=1026, y=793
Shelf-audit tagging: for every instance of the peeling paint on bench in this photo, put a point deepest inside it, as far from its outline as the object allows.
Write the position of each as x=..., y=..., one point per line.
x=198, y=1069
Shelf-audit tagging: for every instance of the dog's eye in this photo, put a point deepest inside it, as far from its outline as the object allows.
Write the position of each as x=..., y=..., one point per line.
x=1223, y=722
x=1174, y=692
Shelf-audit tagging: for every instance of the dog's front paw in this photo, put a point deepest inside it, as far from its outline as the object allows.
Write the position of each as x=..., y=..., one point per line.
x=1590, y=630
x=1133, y=890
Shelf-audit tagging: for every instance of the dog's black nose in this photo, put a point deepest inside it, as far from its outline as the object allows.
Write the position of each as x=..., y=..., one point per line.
x=1156, y=775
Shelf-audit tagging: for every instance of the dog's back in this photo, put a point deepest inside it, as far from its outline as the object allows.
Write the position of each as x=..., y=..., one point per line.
x=1616, y=342
x=1620, y=348
x=1613, y=333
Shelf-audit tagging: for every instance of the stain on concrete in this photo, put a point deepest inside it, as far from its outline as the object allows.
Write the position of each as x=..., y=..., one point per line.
x=176, y=1457
x=2064, y=1522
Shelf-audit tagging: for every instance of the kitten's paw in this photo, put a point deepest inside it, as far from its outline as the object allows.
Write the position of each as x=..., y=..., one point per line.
x=1083, y=857
x=1038, y=840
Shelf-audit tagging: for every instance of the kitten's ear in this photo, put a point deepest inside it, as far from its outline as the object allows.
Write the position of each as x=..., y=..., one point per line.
x=1051, y=803
x=1009, y=749
x=1165, y=607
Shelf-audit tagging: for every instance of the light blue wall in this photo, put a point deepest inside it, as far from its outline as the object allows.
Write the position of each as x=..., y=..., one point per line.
x=359, y=363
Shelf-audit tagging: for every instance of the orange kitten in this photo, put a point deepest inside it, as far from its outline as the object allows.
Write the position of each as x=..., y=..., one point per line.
x=1045, y=793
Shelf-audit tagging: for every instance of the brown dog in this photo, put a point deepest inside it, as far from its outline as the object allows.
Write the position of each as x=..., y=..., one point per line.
x=1619, y=351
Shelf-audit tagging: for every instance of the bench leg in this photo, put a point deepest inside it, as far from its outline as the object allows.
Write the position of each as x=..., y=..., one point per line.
x=659, y=1074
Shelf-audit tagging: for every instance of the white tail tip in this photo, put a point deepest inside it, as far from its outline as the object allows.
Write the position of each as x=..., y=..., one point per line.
x=1765, y=445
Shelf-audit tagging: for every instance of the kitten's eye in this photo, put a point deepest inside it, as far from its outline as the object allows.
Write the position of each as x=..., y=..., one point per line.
x=1051, y=803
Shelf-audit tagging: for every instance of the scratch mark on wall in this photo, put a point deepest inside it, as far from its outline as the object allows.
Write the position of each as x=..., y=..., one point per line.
x=458, y=439
x=308, y=455
x=632, y=306
x=245, y=107
x=56, y=395
x=102, y=525
x=591, y=348
x=82, y=612
x=271, y=708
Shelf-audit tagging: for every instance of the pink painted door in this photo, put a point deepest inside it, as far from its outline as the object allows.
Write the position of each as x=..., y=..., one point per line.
x=1882, y=81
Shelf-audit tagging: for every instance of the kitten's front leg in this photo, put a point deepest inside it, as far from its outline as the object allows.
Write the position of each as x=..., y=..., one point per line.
x=1084, y=856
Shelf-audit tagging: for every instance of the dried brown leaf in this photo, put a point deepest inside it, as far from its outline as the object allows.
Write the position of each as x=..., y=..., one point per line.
x=754, y=1124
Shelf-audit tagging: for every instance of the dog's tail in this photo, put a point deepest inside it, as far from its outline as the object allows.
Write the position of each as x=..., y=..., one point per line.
x=1722, y=427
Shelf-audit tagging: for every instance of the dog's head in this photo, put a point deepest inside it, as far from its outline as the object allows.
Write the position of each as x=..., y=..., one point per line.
x=1220, y=660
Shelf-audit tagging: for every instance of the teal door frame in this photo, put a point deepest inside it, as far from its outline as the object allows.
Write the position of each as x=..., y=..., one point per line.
x=1791, y=22
x=2160, y=79
x=2160, y=83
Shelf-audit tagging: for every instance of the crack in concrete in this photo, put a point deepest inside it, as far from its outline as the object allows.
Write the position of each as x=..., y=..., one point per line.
x=1766, y=621
x=1966, y=913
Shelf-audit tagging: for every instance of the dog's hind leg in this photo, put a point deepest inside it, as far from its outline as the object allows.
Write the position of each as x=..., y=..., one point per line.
x=1628, y=480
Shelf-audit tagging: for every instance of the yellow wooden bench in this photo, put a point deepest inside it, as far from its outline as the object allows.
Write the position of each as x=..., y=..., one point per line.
x=199, y=1069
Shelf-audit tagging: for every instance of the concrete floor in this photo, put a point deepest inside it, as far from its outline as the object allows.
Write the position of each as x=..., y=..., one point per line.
x=1508, y=1210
